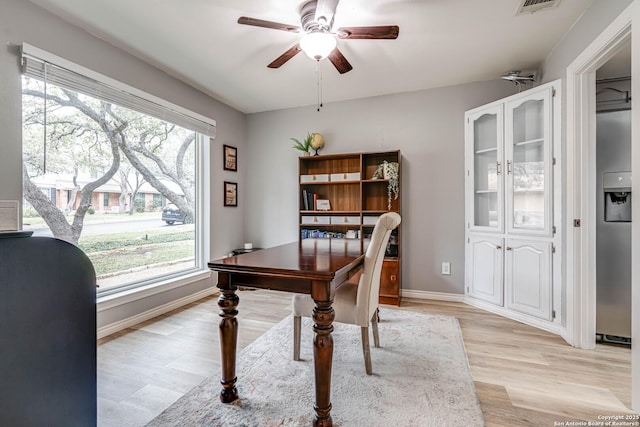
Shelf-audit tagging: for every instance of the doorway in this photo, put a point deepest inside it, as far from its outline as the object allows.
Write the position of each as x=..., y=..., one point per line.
x=613, y=199
x=581, y=180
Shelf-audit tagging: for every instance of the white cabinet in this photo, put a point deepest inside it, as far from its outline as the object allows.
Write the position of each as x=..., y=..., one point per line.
x=528, y=277
x=510, y=165
x=511, y=272
x=485, y=275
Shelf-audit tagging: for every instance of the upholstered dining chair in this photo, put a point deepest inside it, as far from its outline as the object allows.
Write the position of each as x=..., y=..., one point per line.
x=355, y=303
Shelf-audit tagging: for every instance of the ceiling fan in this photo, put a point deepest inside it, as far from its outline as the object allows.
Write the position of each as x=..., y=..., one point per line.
x=319, y=41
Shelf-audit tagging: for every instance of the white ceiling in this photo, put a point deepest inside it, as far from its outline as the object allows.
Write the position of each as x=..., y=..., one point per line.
x=441, y=43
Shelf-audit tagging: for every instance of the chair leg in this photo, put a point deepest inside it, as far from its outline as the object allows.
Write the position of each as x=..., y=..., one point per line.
x=296, y=337
x=365, y=349
x=374, y=327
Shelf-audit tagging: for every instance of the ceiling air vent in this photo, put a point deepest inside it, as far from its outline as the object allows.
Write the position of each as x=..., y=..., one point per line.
x=530, y=6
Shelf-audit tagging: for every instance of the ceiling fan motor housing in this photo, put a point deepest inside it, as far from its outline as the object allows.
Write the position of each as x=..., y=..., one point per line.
x=308, y=18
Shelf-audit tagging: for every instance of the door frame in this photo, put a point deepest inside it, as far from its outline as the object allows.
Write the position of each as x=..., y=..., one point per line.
x=581, y=187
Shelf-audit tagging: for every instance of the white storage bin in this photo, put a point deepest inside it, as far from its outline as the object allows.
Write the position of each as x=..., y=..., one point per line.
x=351, y=220
x=314, y=220
x=353, y=176
x=370, y=220
x=321, y=177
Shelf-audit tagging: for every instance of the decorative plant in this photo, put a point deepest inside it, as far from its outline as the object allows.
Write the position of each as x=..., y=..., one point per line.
x=389, y=171
x=303, y=146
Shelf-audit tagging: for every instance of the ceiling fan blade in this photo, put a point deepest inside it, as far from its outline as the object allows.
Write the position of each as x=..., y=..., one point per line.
x=339, y=61
x=290, y=53
x=325, y=9
x=244, y=20
x=376, y=32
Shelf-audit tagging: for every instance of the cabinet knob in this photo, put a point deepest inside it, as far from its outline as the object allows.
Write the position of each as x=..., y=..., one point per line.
x=498, y=171
x=498, y=247
x=509, y=169
x=508, y=248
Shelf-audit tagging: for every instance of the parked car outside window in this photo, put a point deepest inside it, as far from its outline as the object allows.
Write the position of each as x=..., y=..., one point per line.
x=171, y=214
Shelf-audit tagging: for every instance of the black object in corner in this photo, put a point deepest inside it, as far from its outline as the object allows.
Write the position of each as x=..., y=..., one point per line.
x=47, y=333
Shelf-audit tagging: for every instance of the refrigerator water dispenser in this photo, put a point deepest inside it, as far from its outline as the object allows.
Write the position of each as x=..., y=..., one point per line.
x=617, y=195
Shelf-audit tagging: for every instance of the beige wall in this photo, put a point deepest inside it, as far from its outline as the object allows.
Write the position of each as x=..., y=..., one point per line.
x=427, y=126
x=591, y=23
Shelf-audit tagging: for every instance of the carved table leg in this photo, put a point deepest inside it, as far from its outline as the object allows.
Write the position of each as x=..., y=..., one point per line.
x=228, y=328
x=323, y=316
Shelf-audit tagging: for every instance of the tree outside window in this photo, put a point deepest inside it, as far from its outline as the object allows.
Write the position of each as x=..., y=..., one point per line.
x=83, y=149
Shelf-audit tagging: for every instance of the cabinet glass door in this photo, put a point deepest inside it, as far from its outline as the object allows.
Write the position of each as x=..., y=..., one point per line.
x=528, y=163
x=485, y=169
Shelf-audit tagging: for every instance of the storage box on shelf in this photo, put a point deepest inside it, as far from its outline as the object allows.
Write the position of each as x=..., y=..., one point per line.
x=356, y=202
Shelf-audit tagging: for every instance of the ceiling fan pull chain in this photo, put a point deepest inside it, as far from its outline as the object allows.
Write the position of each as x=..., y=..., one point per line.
x=319, y=73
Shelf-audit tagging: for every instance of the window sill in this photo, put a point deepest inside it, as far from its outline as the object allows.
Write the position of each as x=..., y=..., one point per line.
x=110, y=301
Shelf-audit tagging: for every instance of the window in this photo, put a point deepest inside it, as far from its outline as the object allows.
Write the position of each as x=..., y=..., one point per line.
x=116, y=164
x=158, y=201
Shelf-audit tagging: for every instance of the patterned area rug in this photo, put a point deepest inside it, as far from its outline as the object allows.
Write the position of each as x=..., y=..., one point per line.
x=420, y=378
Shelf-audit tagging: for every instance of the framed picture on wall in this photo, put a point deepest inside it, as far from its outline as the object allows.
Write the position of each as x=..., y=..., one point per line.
x=230, y=193
x=230, y=158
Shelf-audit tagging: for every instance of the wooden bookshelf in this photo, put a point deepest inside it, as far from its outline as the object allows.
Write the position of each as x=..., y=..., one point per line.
x=356, y=200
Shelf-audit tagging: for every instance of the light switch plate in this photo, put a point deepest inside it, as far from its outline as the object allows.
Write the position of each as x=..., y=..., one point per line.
x=9, y=219
x=446, y=268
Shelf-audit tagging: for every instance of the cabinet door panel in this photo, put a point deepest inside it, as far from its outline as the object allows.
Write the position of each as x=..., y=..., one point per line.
x=528, y=157
x=528, y=277
x=485, y=280
x=484, y=163
x=390, y=282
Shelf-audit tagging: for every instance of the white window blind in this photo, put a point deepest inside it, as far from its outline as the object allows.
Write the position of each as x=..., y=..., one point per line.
x=45, y=66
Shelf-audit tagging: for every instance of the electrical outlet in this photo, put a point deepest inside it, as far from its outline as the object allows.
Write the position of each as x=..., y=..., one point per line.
x=446, y=268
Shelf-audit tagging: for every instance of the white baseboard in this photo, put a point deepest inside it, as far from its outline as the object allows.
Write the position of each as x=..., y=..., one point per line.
x=439, y=296
x=154, y=312
x=554, y=328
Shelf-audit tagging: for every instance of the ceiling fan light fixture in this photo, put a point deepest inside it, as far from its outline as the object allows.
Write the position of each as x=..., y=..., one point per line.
x=318, y=45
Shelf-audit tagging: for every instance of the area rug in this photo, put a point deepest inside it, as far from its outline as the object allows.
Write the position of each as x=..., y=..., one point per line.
x=420, y=378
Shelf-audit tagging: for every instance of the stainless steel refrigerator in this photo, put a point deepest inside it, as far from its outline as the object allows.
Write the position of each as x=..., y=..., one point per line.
x=613, y=245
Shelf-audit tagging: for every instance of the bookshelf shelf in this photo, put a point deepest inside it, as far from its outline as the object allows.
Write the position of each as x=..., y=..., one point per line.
x=331, y=212
x=354, y=205
x=332, y=183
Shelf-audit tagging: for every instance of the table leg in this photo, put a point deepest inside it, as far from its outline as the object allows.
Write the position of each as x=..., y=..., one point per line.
x=323, y=316
x=228, y=328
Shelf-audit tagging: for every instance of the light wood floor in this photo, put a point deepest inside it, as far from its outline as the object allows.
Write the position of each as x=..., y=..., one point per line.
x=523, y=376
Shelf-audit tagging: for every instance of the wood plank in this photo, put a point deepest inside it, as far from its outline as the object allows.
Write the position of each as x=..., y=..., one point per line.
x=523, y=376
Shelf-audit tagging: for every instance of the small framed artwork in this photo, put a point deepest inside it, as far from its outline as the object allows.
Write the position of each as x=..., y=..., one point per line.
x=230, y=193
x=230, y=158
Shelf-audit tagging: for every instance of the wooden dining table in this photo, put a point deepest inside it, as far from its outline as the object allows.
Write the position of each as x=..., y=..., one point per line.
x=310, y=266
